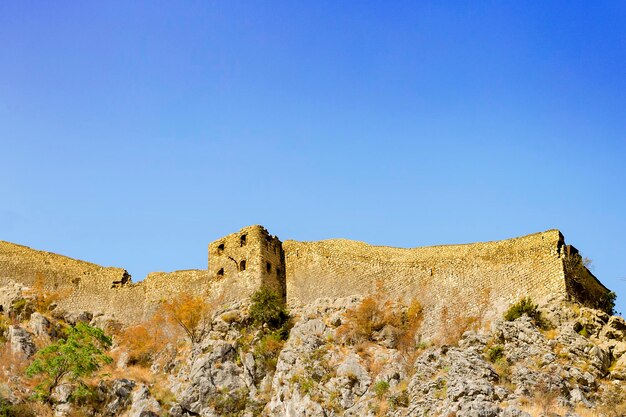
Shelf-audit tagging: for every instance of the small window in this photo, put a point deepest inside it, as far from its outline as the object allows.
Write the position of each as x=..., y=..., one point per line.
x=268, y=267
x=278, y=271
x=220, y=273
x=243, y=240
x=242, y=265
x=220, y=248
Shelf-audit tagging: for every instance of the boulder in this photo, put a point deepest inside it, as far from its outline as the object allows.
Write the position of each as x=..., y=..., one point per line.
x=40, y=325
x=615, y=328
x=21, y=341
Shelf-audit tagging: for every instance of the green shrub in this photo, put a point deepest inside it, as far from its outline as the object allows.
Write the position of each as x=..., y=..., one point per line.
x=21, y=309
x=606, y=303
x=267, y=349
x=4, y=327
x=15, y=410
x=76, y=356
x=495, y=353
x=268, y=308
x=230, y=403
x=399, y=400
x=525, y=306
x=381, y=388
x=305, y=384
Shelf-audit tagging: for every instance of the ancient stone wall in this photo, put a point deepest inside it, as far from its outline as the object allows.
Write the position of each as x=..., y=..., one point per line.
x=581, y=284
x=494, y=273
x=500, y=272
x=242, y=262
x=89, y=287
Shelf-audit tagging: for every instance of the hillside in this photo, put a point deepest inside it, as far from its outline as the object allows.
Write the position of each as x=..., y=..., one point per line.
x=349, y=356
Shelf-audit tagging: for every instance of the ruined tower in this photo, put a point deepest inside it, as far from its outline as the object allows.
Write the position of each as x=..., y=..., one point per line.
x=246, y=261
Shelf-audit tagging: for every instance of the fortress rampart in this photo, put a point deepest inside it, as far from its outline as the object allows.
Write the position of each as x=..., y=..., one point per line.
x=502, y=271
x=89, y=287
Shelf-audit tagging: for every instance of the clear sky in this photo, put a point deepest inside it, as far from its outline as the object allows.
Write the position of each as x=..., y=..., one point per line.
x=134, y=133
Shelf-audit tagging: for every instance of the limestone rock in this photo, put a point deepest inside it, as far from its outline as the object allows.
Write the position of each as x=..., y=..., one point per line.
x=21, y=341
x=143, y=404
x=80, y=317
x=40, y=325
x=116, y=396
x=9, y=293
x=62, y=393
x=615, y=328
x=591, y=321
x=619, y=369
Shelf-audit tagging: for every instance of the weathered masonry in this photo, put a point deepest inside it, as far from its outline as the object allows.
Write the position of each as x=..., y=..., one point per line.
x=243, y=262
x=540, y=265
x=532, y=265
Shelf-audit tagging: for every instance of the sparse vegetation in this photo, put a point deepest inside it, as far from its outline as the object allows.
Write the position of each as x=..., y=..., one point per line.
x=268, y=309
x=76, y=356
x=144, y=341
x=525, y=306
x=21, y=309
x=4, y=327
x=368, y=319
x=466, y=313
x=305, y=384
x=411, y=324
x=381, y=388
x=192, y=313
x=267, y=349
x=16, y=410
x=399, y=399
x=44, y=299
x=606, y=303
x=495, y=353
x=613, y=400
x=230, y=404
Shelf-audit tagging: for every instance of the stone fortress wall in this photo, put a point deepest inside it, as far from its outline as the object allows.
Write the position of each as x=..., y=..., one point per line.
x=243, y=262
x=500, y=272
x=301, y=272
x=89, y=287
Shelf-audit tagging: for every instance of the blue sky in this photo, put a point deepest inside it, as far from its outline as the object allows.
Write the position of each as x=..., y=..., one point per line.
x=134, y=133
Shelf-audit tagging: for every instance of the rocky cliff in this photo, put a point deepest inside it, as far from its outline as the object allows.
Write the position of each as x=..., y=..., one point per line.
x=349, y=356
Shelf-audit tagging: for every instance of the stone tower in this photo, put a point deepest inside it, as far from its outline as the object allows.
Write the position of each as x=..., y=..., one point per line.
x=246, y=261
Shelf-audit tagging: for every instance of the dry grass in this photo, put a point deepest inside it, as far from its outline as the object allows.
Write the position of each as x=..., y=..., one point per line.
x=11, y=364
x=382, y=408
x=144, y=341
x=373, y=314
x=467, y=313
x=550, y=334
x=135, y=372
x=368, y=317
x=43, y=298
x=545, y=398
x=193, y=313
x=613, y=399
x=580, y=410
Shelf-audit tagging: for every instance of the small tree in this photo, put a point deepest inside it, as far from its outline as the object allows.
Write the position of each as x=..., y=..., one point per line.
x=268, y=308
x=70, y=359
x=144, y=341
x=192, y=313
